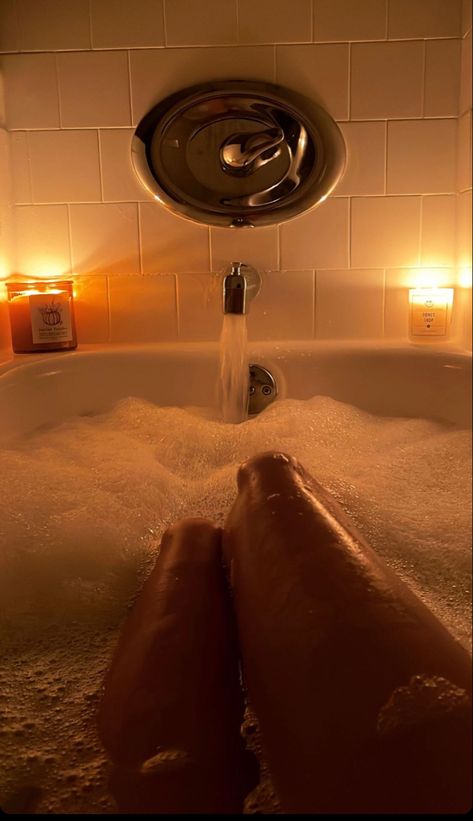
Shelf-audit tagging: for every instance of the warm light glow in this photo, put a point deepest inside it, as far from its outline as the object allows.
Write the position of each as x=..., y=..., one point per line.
x=431, y=296
x=429, y=277
x=464, y=277
x=30, y=291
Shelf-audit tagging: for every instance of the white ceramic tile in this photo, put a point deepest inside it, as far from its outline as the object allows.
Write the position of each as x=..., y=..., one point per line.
x=255, y=246
x=424, y=18
x=5, y=168
x=386, y=80
x=464, y=223
x=284, y=307
x=421, y=156
x=31, y=95
x=396, y=305
x=215, y=22
x=94, y=89
x=159, y=72
x=438, y=231
x=127, y=23
x=65, y=166
x=275, y=21
x=42, y=239
x=465, y=81
x=466, y=16
x=200, y=306
x=366, y=156
x=346, y=20
x=46, y=25
x=20, y=165
x=385, y=232
x=349, y=304
x=442, y=77
x=9, y=34
x=318, y=71
x=318, y=239
x=91, y=309
x=464, y=152
x=104, y=238
x=153, y=317
x=171, y=244
x=120, y=182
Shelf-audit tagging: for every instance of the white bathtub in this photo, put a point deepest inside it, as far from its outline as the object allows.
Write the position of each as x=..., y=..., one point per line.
x=66, y=580
x=37, y=390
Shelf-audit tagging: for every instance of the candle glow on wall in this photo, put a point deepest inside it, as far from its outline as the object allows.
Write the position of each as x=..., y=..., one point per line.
x=41, y=315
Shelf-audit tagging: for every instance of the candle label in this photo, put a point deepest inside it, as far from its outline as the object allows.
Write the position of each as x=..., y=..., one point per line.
x=50, y=317
x=429, y=317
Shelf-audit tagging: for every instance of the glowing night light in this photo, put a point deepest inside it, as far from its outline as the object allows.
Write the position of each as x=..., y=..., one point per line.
x=430, y=311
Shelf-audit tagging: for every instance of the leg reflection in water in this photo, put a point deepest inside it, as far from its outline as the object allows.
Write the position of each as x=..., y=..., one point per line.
x=363, y=697
x=172, y=708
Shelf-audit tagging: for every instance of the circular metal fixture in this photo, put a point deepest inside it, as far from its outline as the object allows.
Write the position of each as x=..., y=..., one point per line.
x=238, y=153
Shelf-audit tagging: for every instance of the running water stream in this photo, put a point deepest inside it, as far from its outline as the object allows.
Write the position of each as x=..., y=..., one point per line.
x=234, y=372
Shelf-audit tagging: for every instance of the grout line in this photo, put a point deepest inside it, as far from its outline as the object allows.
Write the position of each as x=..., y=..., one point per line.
x=69, y=233
x=312, y=21
x=211, y=261
x=314, y=301
x=349, y=81
x=294, y=43
x=140, y=243
x=99, y=143
x=386, y=24
x=424, y=59
x=386, y=131
x=58, y=91
x=90, y=26
x=237, y=18
x=421, y=219
x=30, y=169
x=278, y=247
x=349, y=222
x=165, y=29
x=130, y=90
x=178, y=312
x=383, y=325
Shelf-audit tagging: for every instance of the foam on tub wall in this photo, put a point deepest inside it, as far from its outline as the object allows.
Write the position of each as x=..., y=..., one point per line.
x=394, y=76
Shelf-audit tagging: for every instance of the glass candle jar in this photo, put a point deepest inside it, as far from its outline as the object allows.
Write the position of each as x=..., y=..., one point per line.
x=42, y=316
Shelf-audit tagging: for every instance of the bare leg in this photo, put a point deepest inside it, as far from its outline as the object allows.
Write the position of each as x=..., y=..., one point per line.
x=327, y=634
x=172, y=708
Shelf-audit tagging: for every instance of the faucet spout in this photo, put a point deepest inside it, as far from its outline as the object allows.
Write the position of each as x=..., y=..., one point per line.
x=240, y=285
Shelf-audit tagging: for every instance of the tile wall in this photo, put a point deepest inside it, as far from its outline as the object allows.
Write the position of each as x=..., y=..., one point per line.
x=79, y=76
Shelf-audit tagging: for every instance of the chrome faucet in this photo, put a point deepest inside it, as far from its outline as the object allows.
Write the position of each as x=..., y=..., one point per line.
x=240, y=285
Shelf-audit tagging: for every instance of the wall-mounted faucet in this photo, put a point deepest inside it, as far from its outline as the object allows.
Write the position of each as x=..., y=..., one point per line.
x=240, y=286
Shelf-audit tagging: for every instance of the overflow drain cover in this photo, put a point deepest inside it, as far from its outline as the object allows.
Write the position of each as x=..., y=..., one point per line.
x=263, y=389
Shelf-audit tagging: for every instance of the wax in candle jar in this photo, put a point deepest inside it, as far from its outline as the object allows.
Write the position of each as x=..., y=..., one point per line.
x=42, y=316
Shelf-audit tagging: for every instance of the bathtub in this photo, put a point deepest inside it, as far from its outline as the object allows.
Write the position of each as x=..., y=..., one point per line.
x=392, y=380
x=63, y=596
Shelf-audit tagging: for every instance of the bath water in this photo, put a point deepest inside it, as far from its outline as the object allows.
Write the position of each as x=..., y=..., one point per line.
x=83, y=509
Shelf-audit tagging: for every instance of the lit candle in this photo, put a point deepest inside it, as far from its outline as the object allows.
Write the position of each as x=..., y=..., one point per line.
x=430, y=311
x=41, y=316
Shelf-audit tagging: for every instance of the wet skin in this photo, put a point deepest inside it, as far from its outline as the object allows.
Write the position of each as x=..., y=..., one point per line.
x=327, y=632
x=172, y=707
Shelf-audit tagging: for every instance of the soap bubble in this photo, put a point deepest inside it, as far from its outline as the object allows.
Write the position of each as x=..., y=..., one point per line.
x=84, y=506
